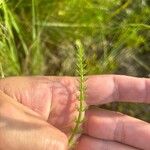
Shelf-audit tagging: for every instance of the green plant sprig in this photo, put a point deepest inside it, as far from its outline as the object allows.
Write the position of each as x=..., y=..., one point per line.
x=1, y=71
x=81, y=72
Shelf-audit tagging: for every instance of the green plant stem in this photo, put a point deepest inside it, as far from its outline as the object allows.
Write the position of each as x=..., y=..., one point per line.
x=1, y=71
x=33, y=21
x=81, y=109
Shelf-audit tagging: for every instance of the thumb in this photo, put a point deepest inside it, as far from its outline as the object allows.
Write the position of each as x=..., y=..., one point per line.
x=21, y=128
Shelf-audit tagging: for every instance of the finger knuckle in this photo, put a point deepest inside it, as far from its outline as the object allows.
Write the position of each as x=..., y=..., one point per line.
x=119, y=131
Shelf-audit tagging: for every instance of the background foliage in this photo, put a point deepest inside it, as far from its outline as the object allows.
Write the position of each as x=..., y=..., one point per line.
x=38, y=37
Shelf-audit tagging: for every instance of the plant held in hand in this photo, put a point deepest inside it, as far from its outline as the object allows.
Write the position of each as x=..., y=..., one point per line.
x=81, y=71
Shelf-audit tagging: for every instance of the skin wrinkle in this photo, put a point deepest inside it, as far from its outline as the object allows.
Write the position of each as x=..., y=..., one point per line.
x=108, y=96
x=106, y=147
x=116, y=96
x=52, y=89
x=144, y=98
x=119, y=131
x=86, y=142
x=6, y=90
x=146, y=89
x=50, y=85
x=29, y=98
x=55, y=88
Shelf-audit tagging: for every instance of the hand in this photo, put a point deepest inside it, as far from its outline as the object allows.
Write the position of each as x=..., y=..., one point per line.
x=23, y=129
x=54, y=98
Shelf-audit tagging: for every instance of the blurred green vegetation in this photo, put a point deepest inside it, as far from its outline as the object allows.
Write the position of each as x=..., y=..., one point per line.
x=38, y=37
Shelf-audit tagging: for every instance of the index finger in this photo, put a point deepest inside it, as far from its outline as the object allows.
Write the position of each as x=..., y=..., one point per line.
x=109, y=88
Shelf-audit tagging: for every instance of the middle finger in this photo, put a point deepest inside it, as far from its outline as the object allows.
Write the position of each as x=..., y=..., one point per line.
x=108, y=125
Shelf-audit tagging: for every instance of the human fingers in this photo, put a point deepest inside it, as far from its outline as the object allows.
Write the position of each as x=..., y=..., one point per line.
x=55, y=97
x=21, y=128
x=108, y=88
x=103, y=89
x=108, y=125
x=90, y=143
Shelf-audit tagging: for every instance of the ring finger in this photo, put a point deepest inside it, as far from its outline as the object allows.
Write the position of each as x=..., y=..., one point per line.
x=90, y=143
